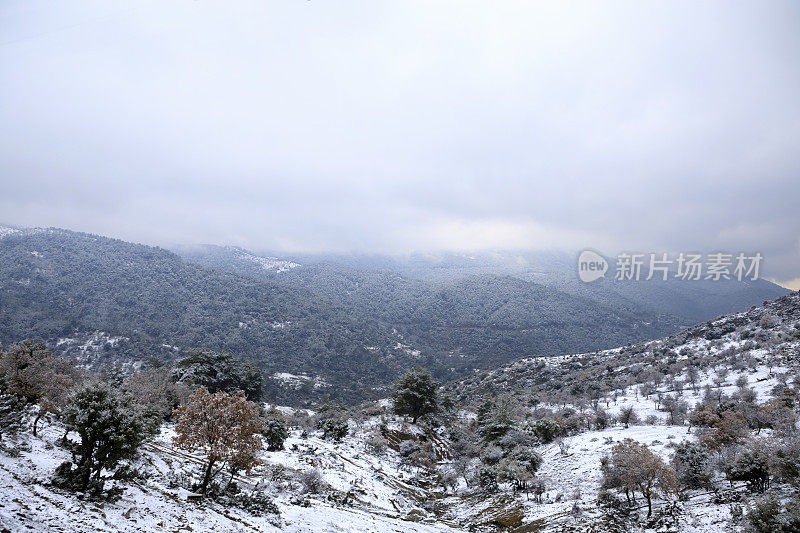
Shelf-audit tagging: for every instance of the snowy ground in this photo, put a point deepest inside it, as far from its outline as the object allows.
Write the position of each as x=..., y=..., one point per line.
x=576, y=475
x=28, y=503
x=383, y=498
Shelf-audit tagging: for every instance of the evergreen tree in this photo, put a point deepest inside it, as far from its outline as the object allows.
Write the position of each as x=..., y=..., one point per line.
x=416, y=394
x=495, y=419
x=219, y=371
x=110, y=429
x=276, y=432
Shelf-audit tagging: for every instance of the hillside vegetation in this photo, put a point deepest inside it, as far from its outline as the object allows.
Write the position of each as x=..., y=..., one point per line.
x=310, y=328
x=692, y=432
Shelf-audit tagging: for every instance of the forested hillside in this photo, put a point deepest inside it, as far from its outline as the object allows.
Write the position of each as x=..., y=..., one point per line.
x=483, y=317
x=58, y=283
x=497, y=304
x=677, y=300
x=311, y=328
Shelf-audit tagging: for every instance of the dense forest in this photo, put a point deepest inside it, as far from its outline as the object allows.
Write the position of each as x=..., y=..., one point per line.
x=323, y=322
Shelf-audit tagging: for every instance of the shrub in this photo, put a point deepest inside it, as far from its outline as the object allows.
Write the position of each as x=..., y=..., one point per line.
x=786, y=461
x=546, y=429
x=487, y=479
x=692, y=463
x=769, y=516
x=312, y=481
x=258, y=503
x=376, y=445
x=11, y=409
x=495, y=420
x=627, y=416
x=751, y=466
x=334, y=429
x=275, y=432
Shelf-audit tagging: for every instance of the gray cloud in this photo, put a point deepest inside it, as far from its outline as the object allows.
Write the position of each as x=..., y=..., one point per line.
x=404, y=126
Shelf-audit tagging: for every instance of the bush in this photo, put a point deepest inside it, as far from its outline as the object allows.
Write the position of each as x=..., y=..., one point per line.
x=495, y=420
x=769, y=516
x=11, y=409
x=627, y=416
x=751, y=466
x=312, y=481
x=546, y=429
x=334, y=429
x=491, y=455
x=786, y=461
x=258, y=503
x=692, y=464
x=487, y=479
x=528, y=458
x=275, y=432
x=602, y=419
x=376, y=445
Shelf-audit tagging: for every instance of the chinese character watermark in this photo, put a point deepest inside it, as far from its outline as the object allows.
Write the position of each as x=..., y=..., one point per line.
x=685, y=266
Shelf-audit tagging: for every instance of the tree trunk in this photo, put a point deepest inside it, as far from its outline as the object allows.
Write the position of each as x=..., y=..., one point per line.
x=36, y=421
x=206, y=477
x=649, y=505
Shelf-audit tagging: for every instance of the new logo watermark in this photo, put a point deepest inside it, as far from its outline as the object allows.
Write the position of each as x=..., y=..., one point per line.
x=591, y=266
x=684, y=266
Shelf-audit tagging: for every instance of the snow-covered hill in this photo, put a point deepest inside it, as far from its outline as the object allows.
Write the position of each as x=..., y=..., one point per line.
x=365, y=492
x=374, y=480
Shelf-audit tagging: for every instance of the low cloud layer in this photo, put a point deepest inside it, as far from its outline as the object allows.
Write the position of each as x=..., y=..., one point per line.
x=397, y=127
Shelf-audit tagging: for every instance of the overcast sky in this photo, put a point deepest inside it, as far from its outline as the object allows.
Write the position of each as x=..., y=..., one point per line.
x=406, y=126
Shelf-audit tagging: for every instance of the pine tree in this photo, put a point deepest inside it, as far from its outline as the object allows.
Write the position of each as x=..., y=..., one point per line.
x=416, y=394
